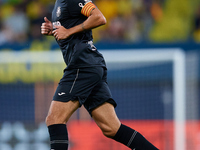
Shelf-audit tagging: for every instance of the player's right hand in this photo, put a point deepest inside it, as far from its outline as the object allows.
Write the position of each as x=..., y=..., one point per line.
x=47, y=27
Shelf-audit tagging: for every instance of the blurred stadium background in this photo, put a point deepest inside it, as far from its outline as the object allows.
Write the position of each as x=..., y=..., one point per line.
x=152, y=49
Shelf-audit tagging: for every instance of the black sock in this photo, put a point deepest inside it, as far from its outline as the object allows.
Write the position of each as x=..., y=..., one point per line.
x=58, y=137
x=132, y=139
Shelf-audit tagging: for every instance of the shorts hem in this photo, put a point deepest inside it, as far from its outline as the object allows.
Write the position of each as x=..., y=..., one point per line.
x=74, y=98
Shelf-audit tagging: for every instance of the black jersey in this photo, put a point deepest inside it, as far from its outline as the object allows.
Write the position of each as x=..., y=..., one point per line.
x=78, y=50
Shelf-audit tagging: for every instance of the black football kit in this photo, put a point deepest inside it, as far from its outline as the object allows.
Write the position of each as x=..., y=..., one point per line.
x=78, y=50
x=85, y=76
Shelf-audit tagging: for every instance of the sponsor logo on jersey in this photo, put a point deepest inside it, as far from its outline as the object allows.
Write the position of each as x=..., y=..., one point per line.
x=57, y=23
x=82, y=5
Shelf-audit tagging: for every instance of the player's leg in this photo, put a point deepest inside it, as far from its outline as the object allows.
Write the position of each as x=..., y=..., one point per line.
x=72, y=91
x=106, y=118
x=59, y=114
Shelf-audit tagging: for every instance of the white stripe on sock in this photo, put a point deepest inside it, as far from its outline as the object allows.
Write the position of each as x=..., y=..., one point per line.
x=132, y=138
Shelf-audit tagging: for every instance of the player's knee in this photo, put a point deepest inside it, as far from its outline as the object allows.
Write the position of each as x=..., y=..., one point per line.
x=48, y=120
x=108, y=131
x=52, y=119
x=109, y=134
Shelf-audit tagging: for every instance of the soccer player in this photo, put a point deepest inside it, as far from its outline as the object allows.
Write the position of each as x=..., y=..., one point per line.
x=84, y=79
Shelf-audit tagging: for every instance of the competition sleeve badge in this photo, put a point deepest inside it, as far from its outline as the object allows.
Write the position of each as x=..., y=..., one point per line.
x=86, y=1
x=58, y=12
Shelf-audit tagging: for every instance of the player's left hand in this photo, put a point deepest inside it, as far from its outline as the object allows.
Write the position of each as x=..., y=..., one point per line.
x=60, y=33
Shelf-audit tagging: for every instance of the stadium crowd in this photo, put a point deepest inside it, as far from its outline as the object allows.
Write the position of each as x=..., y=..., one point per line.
x=129, y=21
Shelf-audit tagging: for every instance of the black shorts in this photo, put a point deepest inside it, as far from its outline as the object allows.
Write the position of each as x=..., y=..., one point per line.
x=87, y=85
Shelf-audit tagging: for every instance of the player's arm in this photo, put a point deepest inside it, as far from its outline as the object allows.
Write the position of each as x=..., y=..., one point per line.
x=95, y=19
